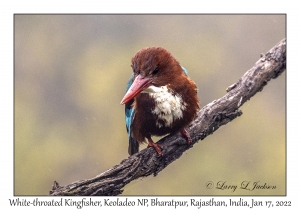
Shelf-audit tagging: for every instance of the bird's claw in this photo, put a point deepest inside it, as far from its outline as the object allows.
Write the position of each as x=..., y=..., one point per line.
x=157, y=147
x=186, y=135
x=188, y=141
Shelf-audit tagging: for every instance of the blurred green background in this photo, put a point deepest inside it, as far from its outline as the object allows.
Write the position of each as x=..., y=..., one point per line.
x=71, y=73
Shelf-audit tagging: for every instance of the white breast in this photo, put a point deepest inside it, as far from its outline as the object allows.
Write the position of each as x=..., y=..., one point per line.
x=168, y=105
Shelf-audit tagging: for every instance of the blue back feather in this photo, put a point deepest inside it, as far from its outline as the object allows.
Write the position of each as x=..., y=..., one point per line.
x=184, y=70
x=129, y=110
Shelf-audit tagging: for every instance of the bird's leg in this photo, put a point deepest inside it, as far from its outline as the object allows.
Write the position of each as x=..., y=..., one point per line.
x=156, y=146
x=186, y=135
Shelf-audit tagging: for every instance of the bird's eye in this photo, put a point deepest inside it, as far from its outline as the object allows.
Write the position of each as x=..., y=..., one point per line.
x=155, y=71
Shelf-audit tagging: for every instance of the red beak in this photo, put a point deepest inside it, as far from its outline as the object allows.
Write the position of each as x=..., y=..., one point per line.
x=138, y=85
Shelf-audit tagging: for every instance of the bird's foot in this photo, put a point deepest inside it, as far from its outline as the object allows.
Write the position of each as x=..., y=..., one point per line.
x=156, y=146
x=186, y=135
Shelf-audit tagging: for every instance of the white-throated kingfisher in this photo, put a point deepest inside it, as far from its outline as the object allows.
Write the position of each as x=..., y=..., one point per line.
x=160, y=98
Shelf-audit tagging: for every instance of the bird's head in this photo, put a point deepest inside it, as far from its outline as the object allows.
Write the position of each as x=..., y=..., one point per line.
x=152, y=66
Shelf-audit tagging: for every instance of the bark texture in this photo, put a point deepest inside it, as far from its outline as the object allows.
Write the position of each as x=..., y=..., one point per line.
x=210, y=118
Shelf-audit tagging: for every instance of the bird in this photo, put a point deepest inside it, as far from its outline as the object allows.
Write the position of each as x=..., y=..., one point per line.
x=160, y=99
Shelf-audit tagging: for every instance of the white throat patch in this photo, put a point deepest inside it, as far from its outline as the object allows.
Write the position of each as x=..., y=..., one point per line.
x=168, y=105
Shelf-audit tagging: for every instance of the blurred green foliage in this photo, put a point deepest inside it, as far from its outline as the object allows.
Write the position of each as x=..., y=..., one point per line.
x=70, y=75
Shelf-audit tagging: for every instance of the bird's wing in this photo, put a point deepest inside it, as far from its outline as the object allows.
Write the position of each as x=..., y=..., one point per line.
x=129, y=110
x=129, y=114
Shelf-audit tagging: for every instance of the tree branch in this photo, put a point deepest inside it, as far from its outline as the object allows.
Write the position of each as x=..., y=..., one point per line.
x=209, y=119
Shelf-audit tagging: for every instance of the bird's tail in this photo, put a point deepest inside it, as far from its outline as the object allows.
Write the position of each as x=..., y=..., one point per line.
x=133, y=146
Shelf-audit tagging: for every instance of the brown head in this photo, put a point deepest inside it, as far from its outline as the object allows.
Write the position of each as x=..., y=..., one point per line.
x=152, y=66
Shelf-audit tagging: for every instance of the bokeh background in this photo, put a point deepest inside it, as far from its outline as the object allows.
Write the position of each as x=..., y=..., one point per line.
x=70, y=76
